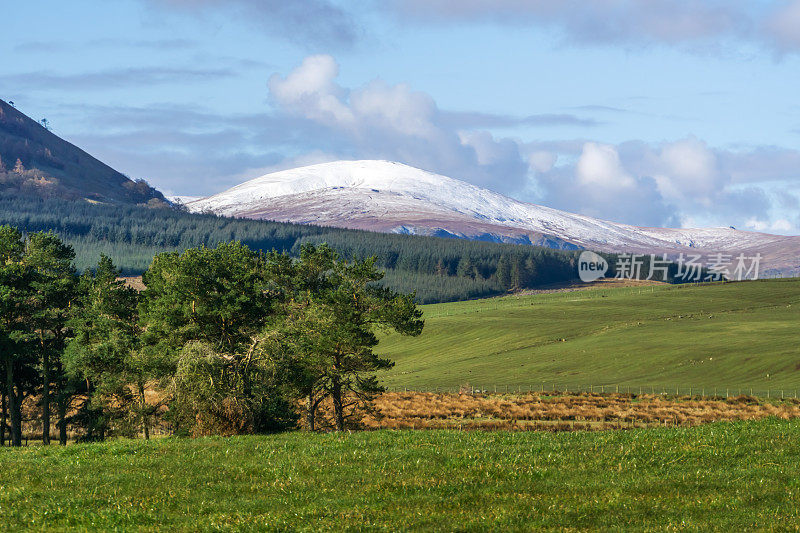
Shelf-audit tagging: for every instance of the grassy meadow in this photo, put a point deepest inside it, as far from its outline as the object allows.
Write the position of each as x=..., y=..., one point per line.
x=723, y=476
x=724, y=336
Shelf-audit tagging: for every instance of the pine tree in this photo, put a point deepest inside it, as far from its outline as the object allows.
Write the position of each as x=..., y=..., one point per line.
x=349, y=308
x=203, y=313
x=51, y=284
x=466, y=269
x=503, y=272
x=104, y=350
x=12, y=299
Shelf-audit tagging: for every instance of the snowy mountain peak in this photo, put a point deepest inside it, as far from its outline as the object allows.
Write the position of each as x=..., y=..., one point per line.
x=393, y=197
x=366, y=175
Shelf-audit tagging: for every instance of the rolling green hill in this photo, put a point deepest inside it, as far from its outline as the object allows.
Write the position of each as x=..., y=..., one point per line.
x=732, y=335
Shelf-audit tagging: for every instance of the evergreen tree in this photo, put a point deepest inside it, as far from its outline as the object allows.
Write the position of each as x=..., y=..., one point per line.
x=204, y=310
x=51, y=284
x=503, y=272
x=349, y=312
x=12, y=298
x=104, y=351
x=466, y=269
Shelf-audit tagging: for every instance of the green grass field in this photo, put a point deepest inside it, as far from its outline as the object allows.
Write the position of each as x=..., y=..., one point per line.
x=723, y=476
x=732, y=335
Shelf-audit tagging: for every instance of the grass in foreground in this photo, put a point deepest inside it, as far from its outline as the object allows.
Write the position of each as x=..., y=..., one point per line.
x=724, y=476
x=732, y=335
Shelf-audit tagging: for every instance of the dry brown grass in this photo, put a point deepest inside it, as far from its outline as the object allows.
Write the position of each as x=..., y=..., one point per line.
x=565, y=412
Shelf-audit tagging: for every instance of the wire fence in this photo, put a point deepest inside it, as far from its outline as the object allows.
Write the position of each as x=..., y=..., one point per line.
x=661, y=390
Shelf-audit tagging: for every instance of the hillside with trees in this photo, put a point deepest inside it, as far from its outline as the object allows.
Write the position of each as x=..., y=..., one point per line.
x=36, y=162
x=438, y=269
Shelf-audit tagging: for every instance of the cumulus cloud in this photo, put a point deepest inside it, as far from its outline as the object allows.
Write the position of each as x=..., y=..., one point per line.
x=599, y=184
x=680, y=182
x=668, y=183
x=189, y=150
x=385, y=121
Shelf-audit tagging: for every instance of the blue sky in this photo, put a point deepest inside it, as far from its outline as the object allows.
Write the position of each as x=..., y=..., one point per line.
x=657, y=112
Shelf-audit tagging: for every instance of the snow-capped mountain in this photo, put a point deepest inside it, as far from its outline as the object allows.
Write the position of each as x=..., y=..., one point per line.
x=392, y=197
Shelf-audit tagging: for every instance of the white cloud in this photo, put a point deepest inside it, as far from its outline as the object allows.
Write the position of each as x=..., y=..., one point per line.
x=542, y=160
x=668, y=183
x=310, y=91
x=781, y=225
x=687, y=169
x=385, y=121
x=599, y=166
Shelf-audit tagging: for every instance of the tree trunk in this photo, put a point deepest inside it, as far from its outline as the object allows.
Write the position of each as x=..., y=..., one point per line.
x=62, y=401
x=3, y=418
x=143, y=408
x=13, y=405
x=45, y=397
x=338, y=408
x=311, y=411
x=62, y=419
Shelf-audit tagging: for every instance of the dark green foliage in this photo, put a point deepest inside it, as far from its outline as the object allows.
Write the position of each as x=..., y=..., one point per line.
x=430, y=265
x=103, y=354
x=15, y=369
x=51, y=287
x=327, y=335
x=37, y=282
x=202, y=313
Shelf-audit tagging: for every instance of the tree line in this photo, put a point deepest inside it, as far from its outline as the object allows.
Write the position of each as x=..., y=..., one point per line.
x=442, y=269
x=222, y=340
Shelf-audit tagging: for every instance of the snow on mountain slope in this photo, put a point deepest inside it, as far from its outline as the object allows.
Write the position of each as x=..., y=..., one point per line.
x=392, y=197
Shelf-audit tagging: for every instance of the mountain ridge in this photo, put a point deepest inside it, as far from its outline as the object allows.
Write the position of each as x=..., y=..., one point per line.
x=396, y=198
x=35, y=161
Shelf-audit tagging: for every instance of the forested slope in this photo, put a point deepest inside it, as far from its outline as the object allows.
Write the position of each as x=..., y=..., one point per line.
x=438, y=269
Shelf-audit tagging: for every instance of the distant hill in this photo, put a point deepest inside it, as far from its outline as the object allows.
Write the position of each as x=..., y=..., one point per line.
x=728, y=335
x=395, y=198
x=34, y=161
